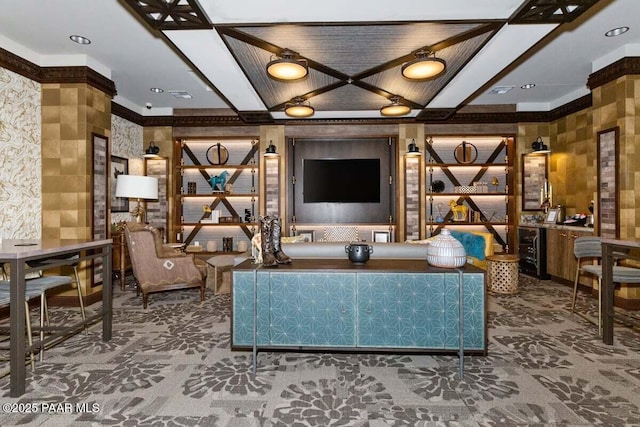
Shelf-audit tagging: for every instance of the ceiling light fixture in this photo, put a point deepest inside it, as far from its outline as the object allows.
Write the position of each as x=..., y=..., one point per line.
x=156, y=90
x=528, y=86
x=425, y=66
x=396, y=108
x=298, y=108
x=80, y=39
x=616, y=31
x=287, y=66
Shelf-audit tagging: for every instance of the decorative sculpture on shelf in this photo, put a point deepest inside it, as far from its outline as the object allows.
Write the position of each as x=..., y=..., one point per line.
x=218, y=182
x=459, y=212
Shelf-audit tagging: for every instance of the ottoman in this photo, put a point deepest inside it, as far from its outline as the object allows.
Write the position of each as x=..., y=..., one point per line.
x=219, y=273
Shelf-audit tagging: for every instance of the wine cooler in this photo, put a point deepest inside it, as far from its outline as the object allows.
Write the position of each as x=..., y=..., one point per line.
x=532, y=250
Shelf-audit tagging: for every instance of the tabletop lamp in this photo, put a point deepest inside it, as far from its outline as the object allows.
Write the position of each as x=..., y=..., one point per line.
x=137, y=187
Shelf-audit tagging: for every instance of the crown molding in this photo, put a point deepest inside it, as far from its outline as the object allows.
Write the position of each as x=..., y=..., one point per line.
x=175, y=121
x=80, y=74
x=620, y=68
x=19, y=65
x=76, y=74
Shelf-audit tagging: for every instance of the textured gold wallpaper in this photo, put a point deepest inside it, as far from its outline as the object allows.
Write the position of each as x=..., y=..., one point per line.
x=20, y=164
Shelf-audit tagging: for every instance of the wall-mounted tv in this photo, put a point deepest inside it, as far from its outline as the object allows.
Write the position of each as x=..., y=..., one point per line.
x=341, y=180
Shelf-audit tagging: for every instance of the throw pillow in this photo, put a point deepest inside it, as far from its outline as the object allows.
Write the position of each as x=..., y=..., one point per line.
x=473, y=244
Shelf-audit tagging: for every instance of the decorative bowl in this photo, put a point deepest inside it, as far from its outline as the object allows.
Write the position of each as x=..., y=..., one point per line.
x=358, y=252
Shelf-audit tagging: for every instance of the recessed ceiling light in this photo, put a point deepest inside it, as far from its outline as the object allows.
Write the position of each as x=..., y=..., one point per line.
x=528, y=86
x=616, y=31
x=79, y=39
x=156, y=90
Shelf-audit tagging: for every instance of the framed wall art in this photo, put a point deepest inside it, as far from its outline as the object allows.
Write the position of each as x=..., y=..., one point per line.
x=119, y=166
x=380, y=236
x=534, y=181
x=308, y=235
x=608, y=212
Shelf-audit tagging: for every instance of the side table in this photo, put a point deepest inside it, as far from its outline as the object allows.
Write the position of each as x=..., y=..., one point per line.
x=121, y=260
x=502, y=273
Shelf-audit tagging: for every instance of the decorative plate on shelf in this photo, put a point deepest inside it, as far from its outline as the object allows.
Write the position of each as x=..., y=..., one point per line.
x=217, y=154
x=465, y=153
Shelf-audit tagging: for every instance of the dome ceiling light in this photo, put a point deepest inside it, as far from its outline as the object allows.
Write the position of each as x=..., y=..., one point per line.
x=425, y=66
x=396, y=108
x=287, y=66
x=298, y=108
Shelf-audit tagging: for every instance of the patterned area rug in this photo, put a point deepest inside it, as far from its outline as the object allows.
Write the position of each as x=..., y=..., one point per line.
x=171, y=365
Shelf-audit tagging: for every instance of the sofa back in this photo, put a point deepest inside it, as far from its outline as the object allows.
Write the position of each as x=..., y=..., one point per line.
x=336, y=250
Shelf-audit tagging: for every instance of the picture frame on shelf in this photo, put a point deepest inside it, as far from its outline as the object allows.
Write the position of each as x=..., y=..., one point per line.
x=309, y=235
x=381, y=236
x=552, y=216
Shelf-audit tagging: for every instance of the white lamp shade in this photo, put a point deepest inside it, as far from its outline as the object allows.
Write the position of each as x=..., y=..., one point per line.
x=137, y=187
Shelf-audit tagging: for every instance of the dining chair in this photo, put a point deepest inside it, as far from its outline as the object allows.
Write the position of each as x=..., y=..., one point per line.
x=39, y=285
x=590, y=248
x=5, y=302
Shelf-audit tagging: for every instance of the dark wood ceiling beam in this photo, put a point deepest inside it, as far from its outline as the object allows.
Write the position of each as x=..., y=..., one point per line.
x=545, y=11
x=183, y=16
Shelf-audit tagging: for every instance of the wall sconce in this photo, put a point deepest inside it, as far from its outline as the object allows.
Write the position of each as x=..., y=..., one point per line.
x=539, y=146
x=271, y=150
x=413, y=150
x=287, y=66
x=152, y=151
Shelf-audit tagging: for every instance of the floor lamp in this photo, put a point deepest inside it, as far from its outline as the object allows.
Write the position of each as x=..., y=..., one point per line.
x=137, y=187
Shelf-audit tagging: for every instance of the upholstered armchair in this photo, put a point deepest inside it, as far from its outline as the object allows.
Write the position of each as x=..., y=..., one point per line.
x=158, y=268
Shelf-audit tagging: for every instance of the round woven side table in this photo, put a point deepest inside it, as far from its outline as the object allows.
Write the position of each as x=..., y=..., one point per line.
x=502, y=273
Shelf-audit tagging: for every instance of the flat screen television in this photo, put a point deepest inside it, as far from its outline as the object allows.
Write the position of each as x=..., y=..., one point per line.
x=341, y=180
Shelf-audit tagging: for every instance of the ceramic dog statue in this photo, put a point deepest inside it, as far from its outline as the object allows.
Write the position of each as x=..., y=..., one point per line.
x=459, y=212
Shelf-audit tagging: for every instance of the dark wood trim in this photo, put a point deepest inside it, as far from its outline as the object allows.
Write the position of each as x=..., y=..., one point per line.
x=574, y=106
x=80, y=74
x=19, y=65
x=620, y=68
x=126, y=114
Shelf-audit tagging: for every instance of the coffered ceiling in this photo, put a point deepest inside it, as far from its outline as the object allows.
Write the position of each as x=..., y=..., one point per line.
x=213, y=53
